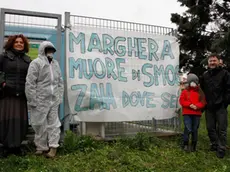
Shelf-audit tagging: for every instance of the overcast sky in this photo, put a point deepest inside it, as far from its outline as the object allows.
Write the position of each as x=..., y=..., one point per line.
x=156, y=12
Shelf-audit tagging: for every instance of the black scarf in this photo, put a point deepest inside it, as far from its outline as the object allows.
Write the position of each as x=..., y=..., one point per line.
x=17, y=52
x=49, y=59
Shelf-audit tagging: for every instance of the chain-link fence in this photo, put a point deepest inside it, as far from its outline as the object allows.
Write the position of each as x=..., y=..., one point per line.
x=45, y=26
x=112, y=129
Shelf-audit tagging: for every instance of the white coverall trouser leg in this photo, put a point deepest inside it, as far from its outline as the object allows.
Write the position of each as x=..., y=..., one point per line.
x=47, y=134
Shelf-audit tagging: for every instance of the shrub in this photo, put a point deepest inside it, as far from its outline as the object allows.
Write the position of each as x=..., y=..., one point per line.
x=73, y=143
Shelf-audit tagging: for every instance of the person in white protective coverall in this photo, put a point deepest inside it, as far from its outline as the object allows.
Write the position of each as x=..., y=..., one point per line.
x=44, y=90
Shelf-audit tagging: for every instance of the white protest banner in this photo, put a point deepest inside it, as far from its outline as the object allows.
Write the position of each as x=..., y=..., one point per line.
x=117, y=75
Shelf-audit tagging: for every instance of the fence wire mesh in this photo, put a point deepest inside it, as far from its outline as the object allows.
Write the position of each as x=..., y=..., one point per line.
x=120, y=25
x=113, y=129
x=35, y=28
x=30, y=21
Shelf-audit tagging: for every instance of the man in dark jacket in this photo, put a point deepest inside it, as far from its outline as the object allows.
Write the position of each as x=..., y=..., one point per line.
x=216, y=85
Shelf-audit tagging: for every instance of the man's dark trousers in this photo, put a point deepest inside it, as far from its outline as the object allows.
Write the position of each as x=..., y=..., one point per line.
x=217, y=122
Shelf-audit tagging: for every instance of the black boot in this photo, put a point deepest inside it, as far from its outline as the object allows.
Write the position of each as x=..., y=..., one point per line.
x=3, y=152
x=213, y=147
x=193, y=146
x=220, y=154
x=18, y=151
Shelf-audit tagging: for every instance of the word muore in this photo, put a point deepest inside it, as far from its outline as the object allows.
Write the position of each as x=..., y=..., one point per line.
x=109, y=68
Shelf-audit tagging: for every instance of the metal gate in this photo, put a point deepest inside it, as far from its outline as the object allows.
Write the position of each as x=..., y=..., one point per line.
x=37, y=27
x=111, y=129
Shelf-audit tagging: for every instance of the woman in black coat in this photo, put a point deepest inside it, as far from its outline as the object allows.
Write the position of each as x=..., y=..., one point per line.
x=14, y=64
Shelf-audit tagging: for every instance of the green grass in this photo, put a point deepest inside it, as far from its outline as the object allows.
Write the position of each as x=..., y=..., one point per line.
x=141, y=154
x=33, y=53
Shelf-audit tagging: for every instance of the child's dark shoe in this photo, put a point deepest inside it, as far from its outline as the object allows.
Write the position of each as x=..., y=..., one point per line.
x=186, y=148
x=213, y=147
x=193, y=147
x=220, y=154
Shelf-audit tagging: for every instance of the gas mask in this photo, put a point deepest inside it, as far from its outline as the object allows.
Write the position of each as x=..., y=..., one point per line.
x=193, y=84
x=50, y=55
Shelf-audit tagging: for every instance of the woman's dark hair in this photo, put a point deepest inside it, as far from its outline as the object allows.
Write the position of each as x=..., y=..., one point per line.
x=10, y=42
x=202, y=95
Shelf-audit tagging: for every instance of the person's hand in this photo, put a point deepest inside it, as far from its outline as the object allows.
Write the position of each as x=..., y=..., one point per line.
x=3, y=84
x=193, y=106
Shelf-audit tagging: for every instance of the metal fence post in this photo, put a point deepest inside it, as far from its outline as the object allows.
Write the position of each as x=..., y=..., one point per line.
x=2, y=29
x=58, y=55
x=59, y=35
x=67, y=116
